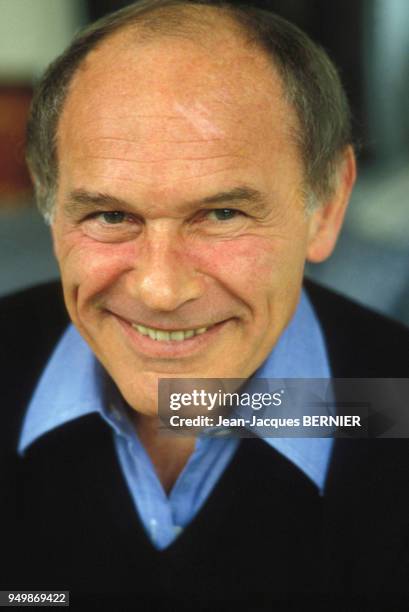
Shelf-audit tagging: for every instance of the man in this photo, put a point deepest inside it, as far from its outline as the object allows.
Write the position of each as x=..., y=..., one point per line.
x=189, y=159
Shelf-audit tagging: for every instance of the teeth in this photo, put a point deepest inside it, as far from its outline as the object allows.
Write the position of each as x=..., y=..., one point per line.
x=163, y=336
x=177, y=335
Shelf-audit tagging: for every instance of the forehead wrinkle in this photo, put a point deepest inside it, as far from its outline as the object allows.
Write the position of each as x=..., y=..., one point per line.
x=142, y=143
x=153, y=149
x=200, y=140
x=154, y=180
x=161, y=159
x=127, y=131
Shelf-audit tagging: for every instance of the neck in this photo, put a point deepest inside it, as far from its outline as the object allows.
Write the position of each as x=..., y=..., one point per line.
x=169, y=453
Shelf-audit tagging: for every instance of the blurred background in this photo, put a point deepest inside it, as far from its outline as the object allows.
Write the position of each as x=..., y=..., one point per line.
x=369, y=42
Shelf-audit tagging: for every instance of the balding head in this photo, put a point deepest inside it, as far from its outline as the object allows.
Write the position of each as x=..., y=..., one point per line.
x=310, y=82
x=171, y=103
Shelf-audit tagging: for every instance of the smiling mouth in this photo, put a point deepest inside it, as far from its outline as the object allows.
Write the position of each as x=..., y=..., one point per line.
x=162, y=335
x=151, y=342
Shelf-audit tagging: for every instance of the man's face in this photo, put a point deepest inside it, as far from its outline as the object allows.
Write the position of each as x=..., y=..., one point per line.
x=180, y=228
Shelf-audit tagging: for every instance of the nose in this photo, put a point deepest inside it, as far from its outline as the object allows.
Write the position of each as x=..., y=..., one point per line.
x=164, y=276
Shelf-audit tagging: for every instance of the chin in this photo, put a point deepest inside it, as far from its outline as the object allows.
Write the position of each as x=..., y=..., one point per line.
x=142, y=395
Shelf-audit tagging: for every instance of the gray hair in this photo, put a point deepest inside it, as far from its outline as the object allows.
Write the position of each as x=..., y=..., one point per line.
x=311, y=84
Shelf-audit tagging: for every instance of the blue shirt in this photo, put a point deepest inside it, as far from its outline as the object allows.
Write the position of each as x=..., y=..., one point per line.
x=74, y=384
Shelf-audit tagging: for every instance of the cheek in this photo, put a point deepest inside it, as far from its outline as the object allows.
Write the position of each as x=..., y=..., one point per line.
x=88, y=266
x=245, y=264
x=254, y=262
x=242, y=256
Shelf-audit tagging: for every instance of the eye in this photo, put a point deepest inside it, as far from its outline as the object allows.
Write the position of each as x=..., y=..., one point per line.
x=223, y=214
x=113, y=217
x=111, y=226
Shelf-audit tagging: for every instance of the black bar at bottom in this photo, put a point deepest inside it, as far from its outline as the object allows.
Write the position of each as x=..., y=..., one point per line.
x=34, y=598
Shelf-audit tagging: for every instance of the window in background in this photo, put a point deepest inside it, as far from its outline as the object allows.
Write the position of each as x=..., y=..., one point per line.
x=31, y=35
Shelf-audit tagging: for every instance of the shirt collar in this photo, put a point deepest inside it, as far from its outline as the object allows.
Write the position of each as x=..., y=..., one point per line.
x=72, y=385
x=301, y=353
x=69, y=388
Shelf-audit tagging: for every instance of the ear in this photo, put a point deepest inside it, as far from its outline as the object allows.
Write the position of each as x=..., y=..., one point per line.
x=326, y=220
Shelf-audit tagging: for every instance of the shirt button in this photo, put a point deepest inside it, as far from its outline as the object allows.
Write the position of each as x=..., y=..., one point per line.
x=177, y=529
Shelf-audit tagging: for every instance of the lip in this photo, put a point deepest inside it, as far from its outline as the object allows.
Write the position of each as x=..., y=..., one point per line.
x=169, y=349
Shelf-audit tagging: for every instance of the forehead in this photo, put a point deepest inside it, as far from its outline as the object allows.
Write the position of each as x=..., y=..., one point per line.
x=175, y=98
x=235, y=81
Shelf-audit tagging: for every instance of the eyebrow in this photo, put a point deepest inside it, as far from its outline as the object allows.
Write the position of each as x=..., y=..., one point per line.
x=80, y=202
x=253, y=198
